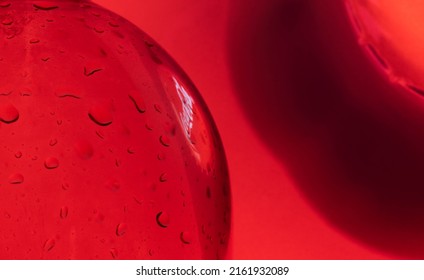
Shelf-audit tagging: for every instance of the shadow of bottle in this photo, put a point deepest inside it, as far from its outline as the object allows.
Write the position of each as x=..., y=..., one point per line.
x=351, y=139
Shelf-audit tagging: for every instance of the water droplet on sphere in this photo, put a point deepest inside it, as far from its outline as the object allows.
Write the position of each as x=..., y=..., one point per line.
x=5, y=4
x=51, y=163
x=63, y=212
x=164, y=140
x=161, y=156
x=98, y=29
x=114, y=253
x=186, y=237
x=138, y=101
x=113, y=24
x=7, y=20
x=101, y=114
x=49, y=244
x=52, y=142
x=90, y=72
x=16, y=178
x=149, y=126
x=158, y=108
x=121, y=229
x=18, y=154
x=162, y=218
x=8, y=113
x=45, y=6
x=163, y=177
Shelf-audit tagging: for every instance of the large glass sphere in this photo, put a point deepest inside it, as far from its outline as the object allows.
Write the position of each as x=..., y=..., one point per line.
x=107, y=150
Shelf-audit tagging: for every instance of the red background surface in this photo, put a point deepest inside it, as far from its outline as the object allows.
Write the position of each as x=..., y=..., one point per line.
x=272, y=217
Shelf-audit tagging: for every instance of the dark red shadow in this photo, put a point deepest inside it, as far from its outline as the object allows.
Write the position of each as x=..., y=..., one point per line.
x=352, y=140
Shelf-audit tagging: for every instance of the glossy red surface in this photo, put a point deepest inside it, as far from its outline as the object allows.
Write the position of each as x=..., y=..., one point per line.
x=324, y=148
x=108, y=151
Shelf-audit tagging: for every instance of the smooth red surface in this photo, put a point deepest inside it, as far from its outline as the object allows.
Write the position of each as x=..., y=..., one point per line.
x=324, y=151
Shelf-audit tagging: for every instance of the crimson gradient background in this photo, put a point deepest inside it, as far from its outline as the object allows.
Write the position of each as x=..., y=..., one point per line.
x=324, y=153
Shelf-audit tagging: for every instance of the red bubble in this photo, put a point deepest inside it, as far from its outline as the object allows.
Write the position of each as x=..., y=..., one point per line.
x=8, y=113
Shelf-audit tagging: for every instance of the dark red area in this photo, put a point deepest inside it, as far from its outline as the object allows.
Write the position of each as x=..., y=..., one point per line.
x=351, y=139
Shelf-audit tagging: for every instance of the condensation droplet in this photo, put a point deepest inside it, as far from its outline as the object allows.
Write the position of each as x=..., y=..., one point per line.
x=162, y=219
x=113, y=185
x=8, y=113
x=113, y=24
x=34, y=41
x=65, y=186
x=121, y=229
x=163, y=177
x=157, y=108
x=100, y=134
x=84, y=149
x=63, y=212
x=49, y=244
x=161, y=156
x=5, y=93
x=26, y=92
x=51, y=163
x=44, y=6
x=101, y=114
x=5, y=4
x=7, y=20
x=138, y=101
x=89, y=73
x=114, y=253
x=149, y=126
x=164, y=140
x=131, y=150
x=53, y=142
x=186, y=237
x=18, y=154
x=16, y=178
x=98, y=29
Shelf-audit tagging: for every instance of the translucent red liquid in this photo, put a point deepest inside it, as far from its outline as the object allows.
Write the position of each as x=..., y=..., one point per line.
x=107, y=150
